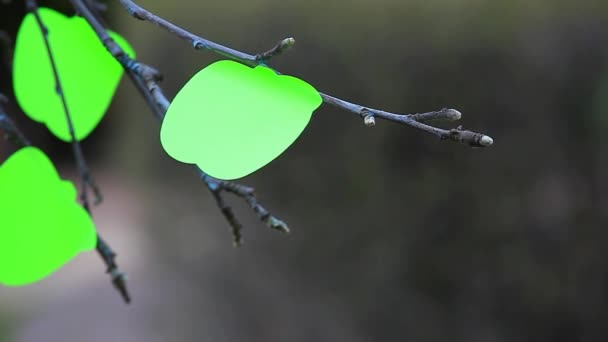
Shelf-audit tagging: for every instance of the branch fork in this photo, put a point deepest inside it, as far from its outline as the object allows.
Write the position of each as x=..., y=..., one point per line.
x=145, y=78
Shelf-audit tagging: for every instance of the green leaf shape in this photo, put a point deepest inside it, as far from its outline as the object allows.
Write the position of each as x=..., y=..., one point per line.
x=231, y=119
x=41, y=225
x=88, y=73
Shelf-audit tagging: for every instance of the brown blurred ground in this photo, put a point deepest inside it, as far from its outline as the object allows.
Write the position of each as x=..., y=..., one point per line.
x=396, y=236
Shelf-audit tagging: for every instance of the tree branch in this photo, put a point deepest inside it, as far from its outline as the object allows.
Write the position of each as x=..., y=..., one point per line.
x=413, y=120
x=368, y=114
x=104, y=250
x=145, y=78
x=85, y=173
x=216, y=187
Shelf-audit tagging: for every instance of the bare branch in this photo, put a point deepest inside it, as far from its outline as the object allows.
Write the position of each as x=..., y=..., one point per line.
x=106, y=253
x=473, y=139
x=235, y=224
x=146, y=78
x=85, y=174
x=197, y=42
x=457, y=134
x=216, y=186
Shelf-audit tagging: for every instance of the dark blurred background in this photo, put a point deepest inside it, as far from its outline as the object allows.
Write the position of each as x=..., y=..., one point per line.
x=396, y=236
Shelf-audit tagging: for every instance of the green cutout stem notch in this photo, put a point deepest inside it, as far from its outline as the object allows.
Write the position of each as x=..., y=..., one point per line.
x=42, y=227
x=88, y=73
x=231, y=119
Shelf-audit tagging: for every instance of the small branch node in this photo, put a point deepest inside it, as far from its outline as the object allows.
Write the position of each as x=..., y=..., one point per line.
x=135, y=12
x=149, y=73
x=197, y=44
x=368, y=117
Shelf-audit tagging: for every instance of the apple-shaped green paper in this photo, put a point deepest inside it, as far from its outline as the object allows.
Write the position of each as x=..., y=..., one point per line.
x=41, y=225
x=231, y=120
x=89, y=75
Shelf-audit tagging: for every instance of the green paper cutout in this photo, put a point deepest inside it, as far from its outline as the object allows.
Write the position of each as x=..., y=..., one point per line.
x=41, y=225
x=88, y=73
x=231, y=119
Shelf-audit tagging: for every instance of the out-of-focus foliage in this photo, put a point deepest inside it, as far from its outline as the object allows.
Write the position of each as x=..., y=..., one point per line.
x=396, y=236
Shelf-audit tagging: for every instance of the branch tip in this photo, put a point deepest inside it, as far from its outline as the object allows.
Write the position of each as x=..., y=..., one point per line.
x=119, y=280
x=452, y=114
x=467, y=137
x=486, y=141
x=369, y=121
x=278, y=49
x=287, y=43
x=276, y=224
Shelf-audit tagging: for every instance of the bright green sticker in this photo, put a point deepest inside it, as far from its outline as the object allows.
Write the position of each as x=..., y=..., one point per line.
x=231, y=119
x=89, y=75
x=41, y=225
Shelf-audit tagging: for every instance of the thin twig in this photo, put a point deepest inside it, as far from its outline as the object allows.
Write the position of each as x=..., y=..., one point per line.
x=278, y=49
x=118, y=278
x=457, y=134
x=146, y=78
x=217, y=186
x=85, y=173
x=104, y=250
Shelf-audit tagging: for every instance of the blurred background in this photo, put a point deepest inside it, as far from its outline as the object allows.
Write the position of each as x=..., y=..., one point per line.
x=396, y=236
